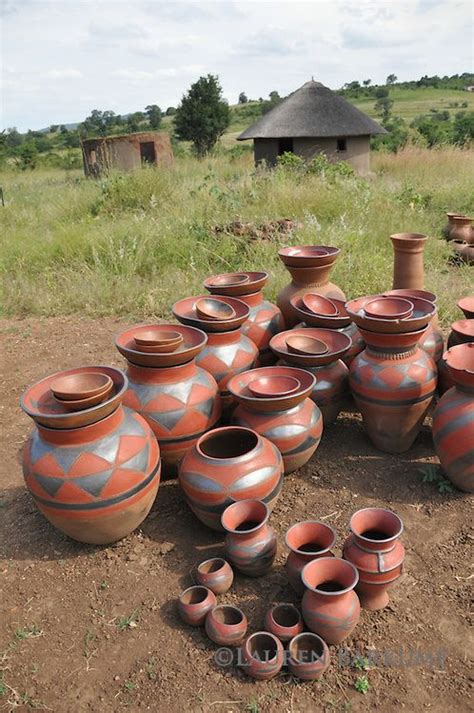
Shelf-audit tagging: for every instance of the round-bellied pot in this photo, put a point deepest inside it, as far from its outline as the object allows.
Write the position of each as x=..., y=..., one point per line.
x=432, y=341
x=228, y=351
x=464, y=251
x=450, y=225
x=466, y=305
x=262, y=656
x=331, y=608
x=462, y=332
x=194, y=604
x=374, y=548
x=461, y=229
x=408, y=271
x=308, y=656
x=226, y=465
x=94, y=473
x=250, y=543
x=265, y=319
x=179, y=400
x=309, y=266
x=226, y=625
x=216, y=574
x=332, y=383
x=453, y=419
x=283, y=621
x=293, y=423
x=306, y=541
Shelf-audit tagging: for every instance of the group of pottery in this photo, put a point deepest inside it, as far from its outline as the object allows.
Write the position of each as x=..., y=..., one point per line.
x=459, y=229
x=333, y=589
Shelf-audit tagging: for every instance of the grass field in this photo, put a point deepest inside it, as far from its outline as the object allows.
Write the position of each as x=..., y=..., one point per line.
x=131, y=245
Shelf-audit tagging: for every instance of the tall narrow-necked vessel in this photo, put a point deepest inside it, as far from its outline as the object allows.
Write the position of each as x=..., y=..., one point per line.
x=408, y=271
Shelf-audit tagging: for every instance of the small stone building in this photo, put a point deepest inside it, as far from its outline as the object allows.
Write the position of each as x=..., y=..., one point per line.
x=311, y=121
x=126, y=152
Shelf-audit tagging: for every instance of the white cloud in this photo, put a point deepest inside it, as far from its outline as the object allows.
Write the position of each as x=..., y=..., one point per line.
x=63, y=73
x=134, y=74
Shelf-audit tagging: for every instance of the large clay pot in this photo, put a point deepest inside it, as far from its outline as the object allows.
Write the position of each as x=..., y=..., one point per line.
x=306, y=541
x=179, y=400
x=309, y=266
x=250, y=544
x=462, y=332
x=293, y=423
x=228, y=351
x=408, y=272
x=265, y=319
x=374, y=548
x=226, y=465
x=432, y=341
x=462, y=229
x=330, y=605
x=94, y=473
x=453, y=419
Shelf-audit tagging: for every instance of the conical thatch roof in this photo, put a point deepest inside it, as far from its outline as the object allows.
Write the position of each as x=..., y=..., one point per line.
x=313, y=110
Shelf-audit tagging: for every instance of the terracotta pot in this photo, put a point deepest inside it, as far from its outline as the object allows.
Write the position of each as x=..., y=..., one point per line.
x=453, y=419
x=330, y=605
x=466, y=305
x=310, y=273
x=450, y=225
x=265, y=319
x=408, y=272
x=374, y=548
x=194, y=604
x=294, y=424
x=226, y=465
x=308, y=656
x=250, y=543
x=432, y=341
x=283, y=621
x=306, y=541
x=180, y=401
x=461, y=229
x=464, y=251
x=216, y=574
x=94, y=477
x=262, y=656
x=462, y=332
x=226, y=625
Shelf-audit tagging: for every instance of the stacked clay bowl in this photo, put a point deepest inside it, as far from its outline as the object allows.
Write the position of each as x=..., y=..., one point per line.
x=308, y=256
x=272, y=388
x=160, y=345
x=236, y=284
x=213, y=314
x=76, y=392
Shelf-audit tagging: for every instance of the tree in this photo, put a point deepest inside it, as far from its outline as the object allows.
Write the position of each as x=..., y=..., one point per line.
x=171, y=111
x=203, y=115
x=463, y=128
x=53, y=129
x=243, y=99
x=99, y=122
x=383, y=107
x=391, y=79
x=26, y=156
x=367, y=82
x=13, y=138
x=274, y=96
x=154, y=115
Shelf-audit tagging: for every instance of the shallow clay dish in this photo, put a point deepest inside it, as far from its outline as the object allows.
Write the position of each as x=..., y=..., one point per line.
x=238, y=386
x=423, y=311
x=81, y=404
x=79, y=386
x=338, y=345
x=389, y=308
x=185, y=312
x=194, y=341
x=308, y=255
x=342, y=319
x=266, y=387
x=163, y=340
x=317, y=304
x=213, y=308
x=225, y=284
x=306, y=345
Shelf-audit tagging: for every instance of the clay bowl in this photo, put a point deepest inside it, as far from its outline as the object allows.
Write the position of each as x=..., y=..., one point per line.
x=85, y=385
x=193, y=342
x=185, y=312
x=408, y=294
x=81, y=404
x=158, y=340
x=238, y=386
x=466, y=305
x=389, y=308
x=222, y=285
x=298, y=344
x=338, y=345
x=317, y=304
x=213, y=308
x=273, y=387
x=342, y=319
x=460, y=363
x=423, y=311
x=391, y=341
x=308, y=255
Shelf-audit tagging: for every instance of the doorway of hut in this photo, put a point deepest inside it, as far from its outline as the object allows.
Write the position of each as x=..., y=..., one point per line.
x=285, y=146
x=147, y=152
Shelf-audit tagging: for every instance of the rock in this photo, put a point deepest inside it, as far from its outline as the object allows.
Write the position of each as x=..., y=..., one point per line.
x=165, y=547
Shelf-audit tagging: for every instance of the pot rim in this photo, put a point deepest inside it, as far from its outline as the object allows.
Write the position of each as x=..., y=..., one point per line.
x=277, y=642
x=212, y=559
x=311, y=522
x=286, y=605
x=195, y=587
x=369, y=539
x=308, y=635
x=263, y=521
x=338, y=593
x=233, y=608
x=221, y=429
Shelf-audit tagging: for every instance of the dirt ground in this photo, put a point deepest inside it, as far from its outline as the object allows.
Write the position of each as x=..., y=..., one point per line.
x=96, y=628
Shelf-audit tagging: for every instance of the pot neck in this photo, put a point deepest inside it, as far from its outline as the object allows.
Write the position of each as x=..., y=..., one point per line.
x=249, y=535
x=156, y=375
x=395, y=354
x=375, y=546
x=223, y=338
x=82, y=434
x=252, y=300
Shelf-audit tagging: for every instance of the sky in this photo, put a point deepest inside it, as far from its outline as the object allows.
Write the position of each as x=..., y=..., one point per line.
x=62, y=58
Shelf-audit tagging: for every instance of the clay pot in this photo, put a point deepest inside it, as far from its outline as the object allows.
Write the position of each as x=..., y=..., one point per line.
x=308, y=656
x=265, y=319
x=283, y=621
x=216, y=574
x=179, y=400
x=374, y=548
x=262, y=656
x=293, y=423
x=450, y=225
x=464, y=251
x=94, y=474
x=453, y=419
x=226, y=625
x=462, y=229
x=462, y=332
x=194, y=604
x=432, y=341
x=408, y=271
x=226, y=465
x=466, y=305
x=309, y=267
x=306, y=541
x=250, y=543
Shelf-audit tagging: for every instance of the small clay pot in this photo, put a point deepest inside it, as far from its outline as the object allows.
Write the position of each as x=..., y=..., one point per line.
x=307, y=541
x=250, y=543
x=216, y=574
x=195, y=603
x=226, y=625
x=262, y=656
x=308, y=656
x=283, y=621
x=462, y=229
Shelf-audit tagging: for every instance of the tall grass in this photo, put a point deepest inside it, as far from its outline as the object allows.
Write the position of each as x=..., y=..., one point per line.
x=132, y=244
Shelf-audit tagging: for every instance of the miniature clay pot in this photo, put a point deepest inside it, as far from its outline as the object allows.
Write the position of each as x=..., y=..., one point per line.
x=216, y=574
x=330, y=605
x=226, y=465
x=265, y=319
x=408, y=271
x=250, y=543
x=194, y=604
x=262, y=656
x=93, y=476
x=461, y=229
x=453, y=419
x=308, y=656
x=466, y=305
x=293, y=423
x=283, y=621
x=374, y=548
x=306, y=541
x=226, y=625
x=432, y=342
